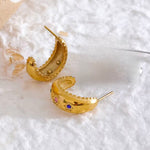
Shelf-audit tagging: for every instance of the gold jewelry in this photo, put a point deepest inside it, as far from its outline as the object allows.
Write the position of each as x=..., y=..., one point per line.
x=53, y=66
x=68, y=102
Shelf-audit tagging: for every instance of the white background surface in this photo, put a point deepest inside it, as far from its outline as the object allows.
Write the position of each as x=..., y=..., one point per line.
x=28, y=118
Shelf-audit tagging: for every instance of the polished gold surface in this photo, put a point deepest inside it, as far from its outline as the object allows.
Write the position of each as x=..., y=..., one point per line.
x=53, y=66
x=71, y=103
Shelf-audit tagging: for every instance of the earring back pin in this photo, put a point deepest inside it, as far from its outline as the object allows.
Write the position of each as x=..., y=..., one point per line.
x=53, y=65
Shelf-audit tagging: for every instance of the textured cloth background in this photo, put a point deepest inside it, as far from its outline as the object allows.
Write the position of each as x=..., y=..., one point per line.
x=28, y=118
x=7, y=8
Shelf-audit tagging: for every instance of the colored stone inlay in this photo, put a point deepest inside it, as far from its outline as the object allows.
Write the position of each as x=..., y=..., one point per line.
x=56, y=99
x=69, y=106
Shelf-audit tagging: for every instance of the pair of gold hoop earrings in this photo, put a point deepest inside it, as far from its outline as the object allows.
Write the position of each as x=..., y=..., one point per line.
x=48, y=71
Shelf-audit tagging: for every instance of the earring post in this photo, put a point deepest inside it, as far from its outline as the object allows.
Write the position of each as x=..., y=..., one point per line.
x=50, y=31
x=108, y=94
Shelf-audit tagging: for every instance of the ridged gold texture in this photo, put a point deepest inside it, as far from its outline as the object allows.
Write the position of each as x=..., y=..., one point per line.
x=69, y=102
x=53, y=65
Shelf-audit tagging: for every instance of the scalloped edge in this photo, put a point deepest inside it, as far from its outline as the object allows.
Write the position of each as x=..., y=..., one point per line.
x=70, y=94
x=50, y=77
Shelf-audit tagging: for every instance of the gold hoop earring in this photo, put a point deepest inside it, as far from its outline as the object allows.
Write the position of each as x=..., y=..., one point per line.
x=53, y=65
x=71, y=103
